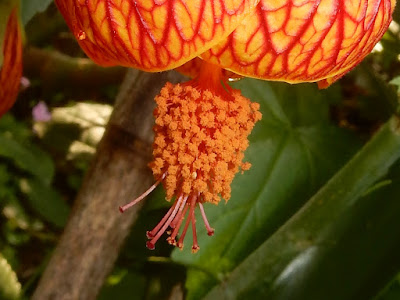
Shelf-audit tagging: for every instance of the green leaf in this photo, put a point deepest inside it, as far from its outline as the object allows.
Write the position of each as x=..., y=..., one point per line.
x=124, y=285
x=14, y=129
x=396, y=81
x=28, y=158
x=29, y=8
x=392, y=291
x=330, y=223
x=46, y=201
x=376, y=99
x=10, y=288
x=354, y=258
x=294, y=135
x=6, y=190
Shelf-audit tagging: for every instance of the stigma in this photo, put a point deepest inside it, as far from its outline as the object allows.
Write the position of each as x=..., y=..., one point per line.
x=201, y=129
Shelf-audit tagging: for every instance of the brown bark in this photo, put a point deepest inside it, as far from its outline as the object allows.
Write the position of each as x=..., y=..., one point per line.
x=96, y=230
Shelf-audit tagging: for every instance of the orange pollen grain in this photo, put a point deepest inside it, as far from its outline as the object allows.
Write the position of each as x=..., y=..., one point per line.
x=200, y=137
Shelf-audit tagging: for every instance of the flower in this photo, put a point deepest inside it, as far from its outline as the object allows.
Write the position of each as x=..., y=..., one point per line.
x=11, y=63
x=41, y=113
x=202, y=126
x=199, y=141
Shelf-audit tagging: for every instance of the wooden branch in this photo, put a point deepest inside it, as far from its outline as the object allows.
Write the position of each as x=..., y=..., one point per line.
x=60, y=71
x=96, y=230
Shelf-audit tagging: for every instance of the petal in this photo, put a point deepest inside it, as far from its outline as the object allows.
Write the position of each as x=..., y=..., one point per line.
x=152, y=35
x=11, y=70
x=304, y=40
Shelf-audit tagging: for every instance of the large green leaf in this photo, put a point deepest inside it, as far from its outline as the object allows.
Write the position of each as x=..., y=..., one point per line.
x=326, y=242
x=355, y=257
x=31, y=7
x=294, y=150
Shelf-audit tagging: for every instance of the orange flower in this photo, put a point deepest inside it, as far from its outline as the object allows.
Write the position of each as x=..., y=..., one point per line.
x=289, y=40
x=11, y=69
x=202, y=126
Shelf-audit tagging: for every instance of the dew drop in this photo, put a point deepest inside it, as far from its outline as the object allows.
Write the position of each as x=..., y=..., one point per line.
x=81, y=35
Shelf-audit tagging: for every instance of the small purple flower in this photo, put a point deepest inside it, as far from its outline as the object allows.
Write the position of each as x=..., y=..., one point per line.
x=40, y=112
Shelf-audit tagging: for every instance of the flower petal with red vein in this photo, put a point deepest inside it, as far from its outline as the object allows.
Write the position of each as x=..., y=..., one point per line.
x=151, y=35
x=300, y=40
x=11, y=70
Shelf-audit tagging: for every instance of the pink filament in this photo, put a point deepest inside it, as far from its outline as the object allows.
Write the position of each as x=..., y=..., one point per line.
x=176, y=223
x=179, y=214
x=151, y=234
x=142, y=196
x=190, y=218
x=195, y=246
x=203, y=214
x=162, y=230
x=171, y=239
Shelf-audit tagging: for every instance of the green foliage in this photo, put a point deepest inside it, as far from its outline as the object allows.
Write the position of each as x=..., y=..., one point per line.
x=396, y=82
x=46, y=201
x=121, y=284
x=325, y=228
x=31, y=7
x=27, y=157
x=392, y=291
x=36, y=172
x=10, y=288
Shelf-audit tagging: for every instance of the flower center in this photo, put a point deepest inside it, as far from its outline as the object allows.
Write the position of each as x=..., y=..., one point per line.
x=200, y=135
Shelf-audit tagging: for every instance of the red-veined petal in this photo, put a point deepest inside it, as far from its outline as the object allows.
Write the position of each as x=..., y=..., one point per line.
x=152, y=35
x=304, y=40
x=11, y=70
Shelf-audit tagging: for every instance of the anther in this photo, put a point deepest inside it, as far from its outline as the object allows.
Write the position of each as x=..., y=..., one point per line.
x=150, y=245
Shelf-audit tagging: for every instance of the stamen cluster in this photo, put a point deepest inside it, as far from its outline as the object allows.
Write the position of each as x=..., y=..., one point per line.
x=199, y=142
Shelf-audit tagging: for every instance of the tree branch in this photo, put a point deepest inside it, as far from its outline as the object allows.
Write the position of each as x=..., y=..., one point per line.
x=58, y=70
x=96, y=230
